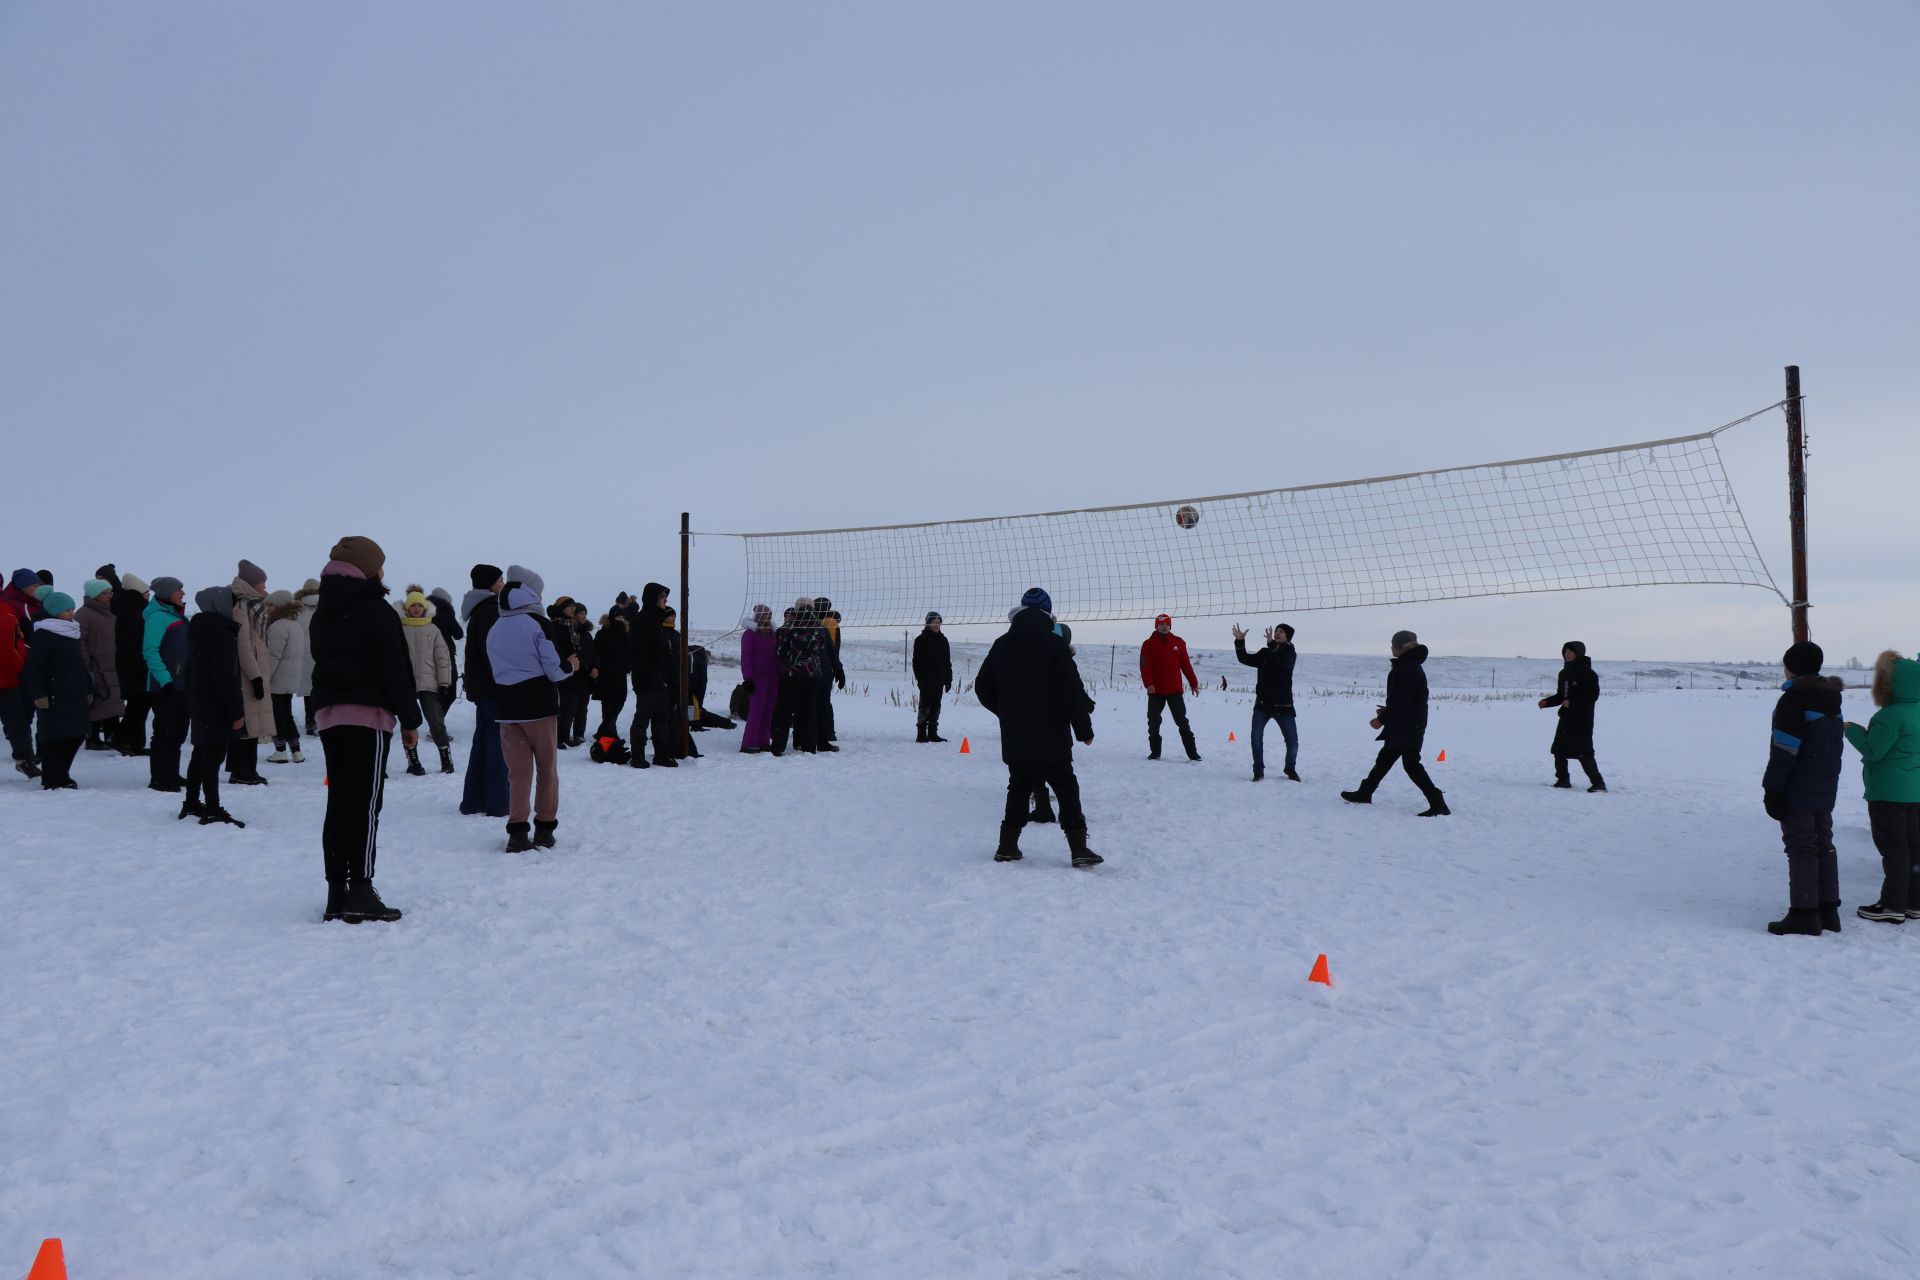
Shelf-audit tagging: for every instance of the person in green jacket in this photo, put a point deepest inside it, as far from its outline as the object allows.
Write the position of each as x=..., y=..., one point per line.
x=1889, y=749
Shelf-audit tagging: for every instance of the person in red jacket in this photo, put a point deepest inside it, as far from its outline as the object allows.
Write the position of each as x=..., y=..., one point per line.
x=1163, y=665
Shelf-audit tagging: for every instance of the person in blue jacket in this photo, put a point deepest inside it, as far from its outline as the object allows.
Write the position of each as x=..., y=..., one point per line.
x=1801, y=783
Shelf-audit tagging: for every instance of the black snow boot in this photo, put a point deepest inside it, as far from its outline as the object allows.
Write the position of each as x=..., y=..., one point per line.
x=414, y=768
x=1258, y=773
x=920, y=733
x=1801, y=921
x=1361, y=796
x=933, y=735
x=1830, y=917
x=359, y=904
x=1043, y=810
x=517, y=841
x=543, y=834
x=27, y=768
x=336, y=897
x=1436, y=807
x=446, y=759
x=190, y=809
x=1009, y=850
x=664, y=761
x=1082, y=856
x=215, y=814
x=1291, y=775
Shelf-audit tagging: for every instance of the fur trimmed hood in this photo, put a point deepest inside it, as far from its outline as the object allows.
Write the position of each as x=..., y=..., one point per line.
x=1895, y=679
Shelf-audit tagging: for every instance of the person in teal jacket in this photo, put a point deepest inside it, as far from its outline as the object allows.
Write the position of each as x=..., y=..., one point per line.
x=163, y=644
x=1889, y=747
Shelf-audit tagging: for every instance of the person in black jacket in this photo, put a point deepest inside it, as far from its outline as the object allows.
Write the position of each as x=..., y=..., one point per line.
x=613, y=645
x=656, y=681
x=933, y=672
x=1577, y=691
x=1402, y=723
x=450, y=630
x=1272, y=694
x=362, y=683
x=1030, y=682
x=129, y=603
x=1801, y=783
x=55, y=682
x=485, y=788
x=215, y=709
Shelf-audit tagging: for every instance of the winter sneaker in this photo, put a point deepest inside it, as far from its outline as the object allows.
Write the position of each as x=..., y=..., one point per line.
x=414, y=768
x=1803, y=921
x=1357, y=797
x=297, y=757
x=1830, y=917
x=517, y=841
x=1009, y=850
x=1596, y=789
x=1913, y=913
x=27, y=768
x=216, y=814
x=1885, y=915
x=1291, y=775
x=543, y=834
x=95, y=744
x=190, y=809
x=639, y=760
x=1194, y=756
x=279, y=756
x=934, y=736
x=1154, y=754
x=66, y=785
x=1082, y=856
x=1258, y=773
x=246, y=780
x=446, y=759
x=1043, y=812
x=665, y=762
x=1437, y=809
x=359, y=904
x=171, y=788
x=1561, y=784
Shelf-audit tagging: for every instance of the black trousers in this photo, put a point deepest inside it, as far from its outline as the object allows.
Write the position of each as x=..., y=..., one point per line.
x=1587, y=765
x=56, y=761
x=796, y=710
x=356, y=788
x=612, y=703
x=203, y=775
x=16, y=715
x=1176, y=703
x=1407, y=757
x=286, y=730
x=653, y=714
x=1813, y=865
x=823, y=713
x=574, y=697
x=169, y=734
x=1896, y=834
x=132, y=733
x=930, y=706
x=243, y=758
x=1023, y=780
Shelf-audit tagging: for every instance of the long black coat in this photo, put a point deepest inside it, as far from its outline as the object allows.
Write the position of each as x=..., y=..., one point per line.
x=1575, y=695
x=1403, y=719
x=1273, y=683
x=932, y=659
x=614, y=644
x=1030, y=682
x=129, y=631
x=359, y=653
x=449, y=630
x=56, y=669
x=654, y=665
x=479, y=678
x=213, y=678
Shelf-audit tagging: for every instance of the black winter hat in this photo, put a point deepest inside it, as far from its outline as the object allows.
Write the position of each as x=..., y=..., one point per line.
x=1579, y=648
x=484, y=576
x=1804, y=658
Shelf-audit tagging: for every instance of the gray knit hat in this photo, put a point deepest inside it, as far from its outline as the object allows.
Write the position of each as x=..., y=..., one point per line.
x=165, y=588
x=252, y=574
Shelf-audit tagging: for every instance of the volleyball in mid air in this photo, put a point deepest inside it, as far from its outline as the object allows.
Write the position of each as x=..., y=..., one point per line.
x=1187, y=517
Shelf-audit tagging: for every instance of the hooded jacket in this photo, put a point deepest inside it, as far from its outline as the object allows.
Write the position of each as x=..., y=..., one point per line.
x=359, y=655
x=1803, y=760
x=427, y=650
x=56, y=669
x=1273, y=683
x=287, y=654
x=1889, y=745
x=479, y=609
x=1403, y=718
x=99, y=642
x=1164, y=663
x=213, y=668
x=1030, y=682
x=309, y=605
x=1575, y=693
x=129, y=604
x=450, y=630
x=650, y=651
x=163, y=643
x=526, y=667
x=250, y=611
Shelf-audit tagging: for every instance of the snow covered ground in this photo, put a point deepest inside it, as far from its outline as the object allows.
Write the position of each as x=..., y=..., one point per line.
x=785, y=1018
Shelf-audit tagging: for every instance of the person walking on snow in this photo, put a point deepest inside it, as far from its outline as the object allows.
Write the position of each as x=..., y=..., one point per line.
x=1030, y=683
x=432, y=664
x=1402, y=723
x=1801, y=783
x=933, y=672
x=1889, y=748
x=1578, y=690
x=527, y=673
x=1163, y=665
x=1272, y=694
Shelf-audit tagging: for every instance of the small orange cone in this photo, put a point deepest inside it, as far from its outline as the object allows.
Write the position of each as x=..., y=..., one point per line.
x=1441, y=758
x=50, y=1263
x=1319, y=973
x=1230, y=737
x=326, y=780
x=966, y=748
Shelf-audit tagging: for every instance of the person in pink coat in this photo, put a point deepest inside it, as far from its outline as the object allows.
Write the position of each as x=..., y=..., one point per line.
x=761, y=672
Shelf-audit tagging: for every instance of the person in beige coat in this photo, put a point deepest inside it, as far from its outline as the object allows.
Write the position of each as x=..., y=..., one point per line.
x=288, y=660
x=432, y=672
x=95, y=616
x=256, y=668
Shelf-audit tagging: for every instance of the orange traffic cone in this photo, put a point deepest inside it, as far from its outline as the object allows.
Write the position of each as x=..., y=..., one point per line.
x=1441, y=758
x=50, y=1263
x=1230, y=737
x=966, y=748
x=1319, y=973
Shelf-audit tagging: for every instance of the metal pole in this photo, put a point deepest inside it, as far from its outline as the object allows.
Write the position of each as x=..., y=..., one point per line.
x=685, y=736
x=1797, y=501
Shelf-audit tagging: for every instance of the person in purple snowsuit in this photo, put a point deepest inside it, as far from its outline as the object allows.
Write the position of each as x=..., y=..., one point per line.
x=761, y=671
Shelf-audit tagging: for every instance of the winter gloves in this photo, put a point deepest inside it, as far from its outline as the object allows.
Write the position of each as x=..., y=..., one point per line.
x=1776, y=806
x=259, y=689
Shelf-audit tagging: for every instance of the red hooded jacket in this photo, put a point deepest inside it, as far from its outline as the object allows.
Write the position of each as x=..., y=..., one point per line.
x=1163, y=661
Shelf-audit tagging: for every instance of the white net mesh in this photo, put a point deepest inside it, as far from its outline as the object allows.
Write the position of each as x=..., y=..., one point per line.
x=1636, y=515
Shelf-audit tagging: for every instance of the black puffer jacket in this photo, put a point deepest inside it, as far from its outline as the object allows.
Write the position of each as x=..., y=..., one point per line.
x=359, y=654
x=613, y=645
x=213, y=669
x=1803, y=762
x=1575, y=695
x=1403, y=719
x=1273, y=686
x=481, y=609
x=932, y=659
x=1030, y=682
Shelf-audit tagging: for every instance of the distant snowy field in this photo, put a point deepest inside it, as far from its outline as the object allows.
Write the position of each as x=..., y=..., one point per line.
x=784, y=1018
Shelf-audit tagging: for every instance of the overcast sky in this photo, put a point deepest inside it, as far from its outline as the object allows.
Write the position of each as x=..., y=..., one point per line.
x=520, y=282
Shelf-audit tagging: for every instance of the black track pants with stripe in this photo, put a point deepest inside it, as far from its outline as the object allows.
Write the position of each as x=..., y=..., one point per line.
x=356, y=784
